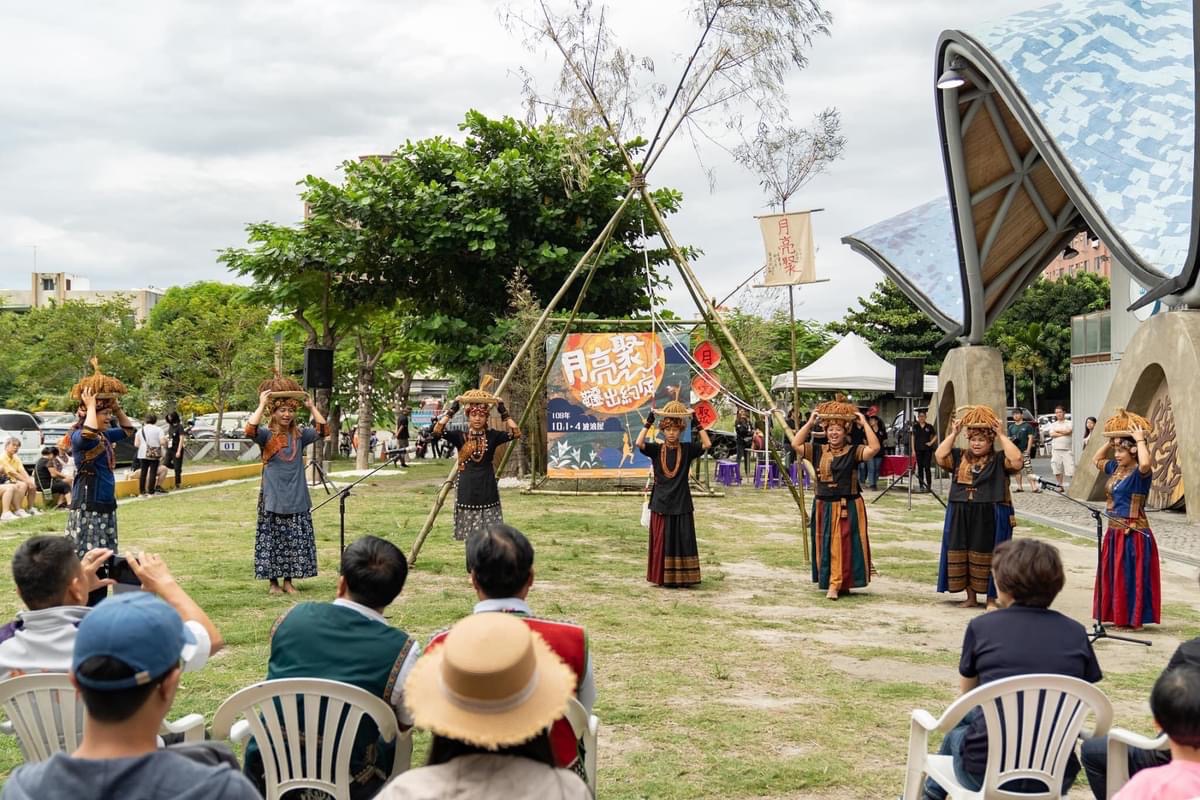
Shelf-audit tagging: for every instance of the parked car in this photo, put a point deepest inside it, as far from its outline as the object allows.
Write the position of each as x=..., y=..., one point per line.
x=55, y=424
x=24, y=426
x=204, y=427
x=724, y=444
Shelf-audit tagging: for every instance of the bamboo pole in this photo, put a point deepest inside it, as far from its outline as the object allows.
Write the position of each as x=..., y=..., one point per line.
x=440, y=500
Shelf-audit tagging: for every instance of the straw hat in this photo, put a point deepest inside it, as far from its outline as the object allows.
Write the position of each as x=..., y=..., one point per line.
x=838, y=410
x=105, y=387
x=977, y=417
x=493, y=683
x=1121, y=424
x=480, y=396
x=282, y=388
x=674, y=409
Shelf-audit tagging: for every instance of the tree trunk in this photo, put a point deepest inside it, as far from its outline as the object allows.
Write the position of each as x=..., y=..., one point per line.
x=366, y=380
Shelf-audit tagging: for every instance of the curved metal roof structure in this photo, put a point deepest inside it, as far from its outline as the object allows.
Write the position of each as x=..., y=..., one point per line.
x=1077, y=115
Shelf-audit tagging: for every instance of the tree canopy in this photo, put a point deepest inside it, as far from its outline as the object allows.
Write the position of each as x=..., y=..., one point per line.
x=895, y=327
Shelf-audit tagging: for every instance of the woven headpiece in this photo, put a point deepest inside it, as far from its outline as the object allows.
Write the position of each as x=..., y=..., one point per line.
x=480, y=396
x=106, y=387
x=674, y=409
x=284, y=391
x=838, y=410
x=977, y=417
x=1122, y=423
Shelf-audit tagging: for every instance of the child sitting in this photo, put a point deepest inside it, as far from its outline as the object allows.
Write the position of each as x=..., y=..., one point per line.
x=1175, y=702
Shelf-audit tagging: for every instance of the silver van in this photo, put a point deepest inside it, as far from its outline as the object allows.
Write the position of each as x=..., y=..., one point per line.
x=24, y=426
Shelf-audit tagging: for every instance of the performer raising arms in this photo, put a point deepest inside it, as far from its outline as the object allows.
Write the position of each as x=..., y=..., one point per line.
x=284, y=543
x=1128, y=592
x=838, y=526
x=674, y=558
x=979, y=515
x=477, y=504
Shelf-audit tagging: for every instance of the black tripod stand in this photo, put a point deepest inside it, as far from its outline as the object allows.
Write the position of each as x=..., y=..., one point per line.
x=907, y=476
x=345, y=492
x=318, y=471
x=1098, y=630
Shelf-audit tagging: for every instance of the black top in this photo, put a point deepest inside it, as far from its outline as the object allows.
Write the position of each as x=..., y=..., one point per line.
x=1020, y=640
x=672, y=495
x=836, y=476
x=989, y=484
x=402, y=429
x=744, y=432
x=477, y=480
x=1186, y=653
x=922, y=436
x=174, y=434
x=857, y=434
x=42, y=472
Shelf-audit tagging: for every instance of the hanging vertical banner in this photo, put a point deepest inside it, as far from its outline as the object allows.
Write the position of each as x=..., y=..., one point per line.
x=789, y=244
x=598, y=395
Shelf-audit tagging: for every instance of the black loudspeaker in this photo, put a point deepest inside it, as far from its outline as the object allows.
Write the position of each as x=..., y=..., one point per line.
x=910, y=378
x=318, y=368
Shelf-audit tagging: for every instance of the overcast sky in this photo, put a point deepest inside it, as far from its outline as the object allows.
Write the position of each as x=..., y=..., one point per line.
x=137, y=139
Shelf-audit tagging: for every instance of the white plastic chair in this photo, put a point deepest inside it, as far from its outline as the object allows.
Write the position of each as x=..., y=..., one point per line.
x=44, y=724
x=1119, y=742
x=586, y=727
x=1042, y=718
x=320, y=758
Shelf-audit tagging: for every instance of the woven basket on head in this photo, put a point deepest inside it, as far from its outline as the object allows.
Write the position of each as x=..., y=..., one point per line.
x=282, y=387
x=980, y=417
x=1122, y=423
x=480, y=396
x=104, y=386
x=674, y=409
x=838, y=410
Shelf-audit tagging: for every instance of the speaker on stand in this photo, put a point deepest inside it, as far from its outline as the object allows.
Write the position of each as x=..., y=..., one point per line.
x=318, y=374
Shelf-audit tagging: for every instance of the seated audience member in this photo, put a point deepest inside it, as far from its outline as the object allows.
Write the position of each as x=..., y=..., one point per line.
x=54, y=584
x=14, y=470
x=10, y=498
x=489, y=693
x=126, y=668
x=500, y=563
x=1175, y=703
x=1094, y=752
x=1022, y=637
x=47, y=475
x=349, y=640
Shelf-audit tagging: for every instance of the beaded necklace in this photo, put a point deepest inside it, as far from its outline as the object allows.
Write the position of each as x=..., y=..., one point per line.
x=481, y=446
x=669, y=473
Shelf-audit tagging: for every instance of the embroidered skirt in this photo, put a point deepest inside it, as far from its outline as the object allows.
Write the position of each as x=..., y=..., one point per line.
x=470, y=520
x=1128, y=591
x=841, y=549
x=970, y=535
x=91, y=529
x=674, y=559
x=284, y=545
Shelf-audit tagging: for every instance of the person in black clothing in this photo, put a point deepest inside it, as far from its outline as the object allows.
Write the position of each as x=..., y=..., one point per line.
x=923, y=443
x=674, y=559
x=744, y=439
x=402, y=435
x=47, y=476
x=173, y=454
x=477, y=504
x=1023, y=637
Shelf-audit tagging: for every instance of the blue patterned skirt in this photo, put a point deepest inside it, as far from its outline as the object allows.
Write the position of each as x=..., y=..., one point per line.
x=91, y=529
x=284, y=545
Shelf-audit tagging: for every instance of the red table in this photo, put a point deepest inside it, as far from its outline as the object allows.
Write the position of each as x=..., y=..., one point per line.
x=894, y=465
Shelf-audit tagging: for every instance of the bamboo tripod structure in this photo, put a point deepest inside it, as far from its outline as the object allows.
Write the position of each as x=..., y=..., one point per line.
x=717, y=328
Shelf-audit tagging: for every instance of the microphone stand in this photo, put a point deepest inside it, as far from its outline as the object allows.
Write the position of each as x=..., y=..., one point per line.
x=1098, y=630
x=345, y=492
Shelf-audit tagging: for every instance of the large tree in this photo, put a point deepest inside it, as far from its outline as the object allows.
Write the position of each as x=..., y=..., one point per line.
x=894, y=327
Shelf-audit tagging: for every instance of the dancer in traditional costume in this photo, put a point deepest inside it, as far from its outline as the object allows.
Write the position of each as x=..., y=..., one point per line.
x=674, y=559
x=838, y=525
x=1128, y=592
x=979, y=514
x=92, y=522
x=285, y=546
x=477, y=503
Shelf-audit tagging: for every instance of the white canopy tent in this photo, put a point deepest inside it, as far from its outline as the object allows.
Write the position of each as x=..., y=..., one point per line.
x=849, y=364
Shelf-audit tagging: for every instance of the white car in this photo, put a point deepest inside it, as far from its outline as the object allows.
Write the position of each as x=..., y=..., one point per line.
x=25, y=427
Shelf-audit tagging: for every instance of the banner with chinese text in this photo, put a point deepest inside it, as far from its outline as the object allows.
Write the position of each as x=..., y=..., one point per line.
x=597, y=396
x=789, y=245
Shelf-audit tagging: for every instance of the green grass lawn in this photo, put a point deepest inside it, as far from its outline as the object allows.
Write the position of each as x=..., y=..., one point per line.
x=751, y=685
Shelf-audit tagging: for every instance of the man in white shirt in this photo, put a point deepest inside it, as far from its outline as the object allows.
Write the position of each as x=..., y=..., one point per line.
x=1062, y=457
x=53, y=584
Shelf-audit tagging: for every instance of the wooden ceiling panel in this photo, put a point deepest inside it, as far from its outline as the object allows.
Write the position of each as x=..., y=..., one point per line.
x=984, y=212
x=1049, y=188
x=984, y=153
x=1022, y=226
x=1019, y=139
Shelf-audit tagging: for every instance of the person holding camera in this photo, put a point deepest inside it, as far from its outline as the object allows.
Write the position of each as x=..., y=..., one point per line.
x=54, y=585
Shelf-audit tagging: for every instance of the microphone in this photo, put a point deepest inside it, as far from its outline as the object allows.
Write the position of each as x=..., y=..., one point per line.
x=1050, y=485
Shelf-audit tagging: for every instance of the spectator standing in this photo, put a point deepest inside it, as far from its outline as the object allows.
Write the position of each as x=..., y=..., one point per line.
x=173, y=454
x=868, y=471
x=924, y=440
x=500, y=563
x=1023, y=637
x=25, y=486
x=149, y=442
x=402, y=435
x=126, y=666
x=349, y=640
x=1021, y=434
x=1175, y=703
x=49, y=477
x=1089, y=425
x=743, y=434
x=488, y=694
x=1062, y=458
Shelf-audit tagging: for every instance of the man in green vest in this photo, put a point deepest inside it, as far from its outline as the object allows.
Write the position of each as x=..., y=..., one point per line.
x=349, y=640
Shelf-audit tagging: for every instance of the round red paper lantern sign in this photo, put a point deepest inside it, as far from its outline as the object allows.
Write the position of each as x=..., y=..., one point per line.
x=707, y=355
x=705, y=386
x=705, y=413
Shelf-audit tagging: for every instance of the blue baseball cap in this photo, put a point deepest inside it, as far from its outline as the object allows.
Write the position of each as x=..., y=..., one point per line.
x=137, y=629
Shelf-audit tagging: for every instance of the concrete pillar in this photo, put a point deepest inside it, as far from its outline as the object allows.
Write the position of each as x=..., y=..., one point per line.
x=970, y=375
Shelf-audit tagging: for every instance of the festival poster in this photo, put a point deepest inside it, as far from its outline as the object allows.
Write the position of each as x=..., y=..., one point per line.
x=597, y=397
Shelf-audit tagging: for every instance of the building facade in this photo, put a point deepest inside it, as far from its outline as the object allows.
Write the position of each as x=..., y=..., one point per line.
x=1085, y=254
x=51, y=288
